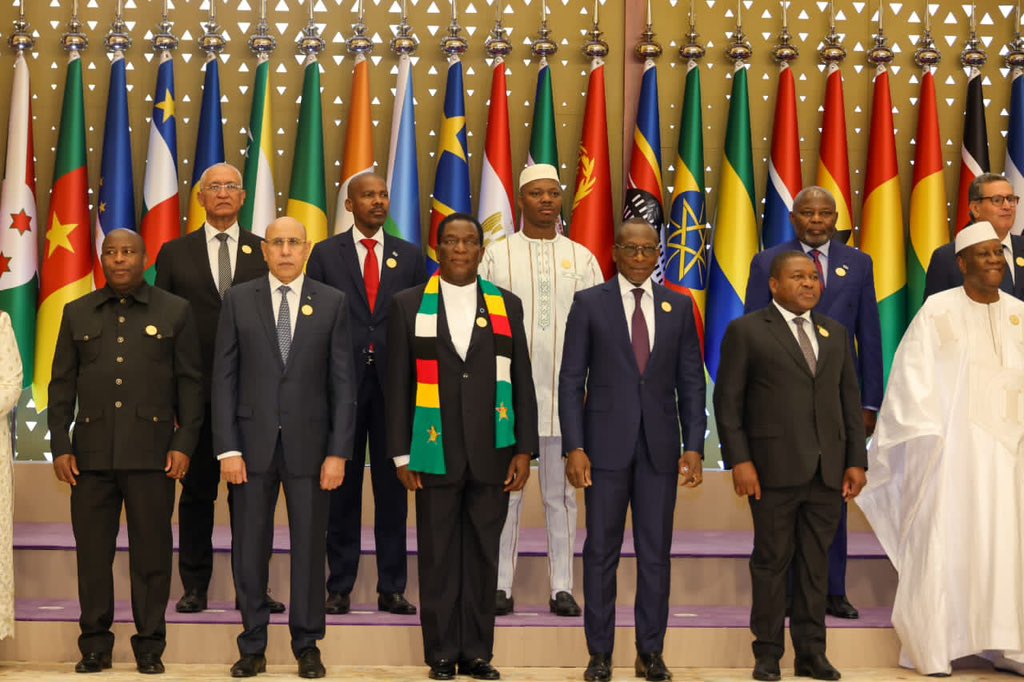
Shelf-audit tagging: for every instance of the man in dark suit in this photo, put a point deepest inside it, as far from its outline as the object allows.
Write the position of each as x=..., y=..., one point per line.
x=631, y=382
x=847, y=280
x=369, y=266
x=789, y=418
x=200, y=267
x=283, y=413
x=129, y=356
x=991, y=197
x=462, y=427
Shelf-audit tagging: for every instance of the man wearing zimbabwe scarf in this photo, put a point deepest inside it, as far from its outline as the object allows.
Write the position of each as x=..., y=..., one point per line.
x=462, y=427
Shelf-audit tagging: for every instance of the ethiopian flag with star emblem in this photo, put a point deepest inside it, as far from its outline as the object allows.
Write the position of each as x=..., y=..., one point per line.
x=19, y=280
x=67, y=254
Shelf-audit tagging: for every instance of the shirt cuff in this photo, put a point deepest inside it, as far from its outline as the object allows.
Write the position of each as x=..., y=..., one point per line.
x=229, y=454
x=401, y=461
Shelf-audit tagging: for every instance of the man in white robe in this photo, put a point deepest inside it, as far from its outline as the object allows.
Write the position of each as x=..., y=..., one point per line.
x=946, y=498
x=545, y=270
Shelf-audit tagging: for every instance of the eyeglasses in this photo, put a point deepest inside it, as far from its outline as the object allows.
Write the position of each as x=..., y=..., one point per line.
x=1000, y=199
x=217, y=188
x=468, y=243
x=280, y=242
x=637, y=250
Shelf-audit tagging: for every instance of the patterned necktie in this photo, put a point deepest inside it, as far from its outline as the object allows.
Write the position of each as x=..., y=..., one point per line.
x=641, y=339
x=1007, y=283
x=371, y=272
x=223, y=265
x=805, y=344
x=816, y=255
x=284, y=323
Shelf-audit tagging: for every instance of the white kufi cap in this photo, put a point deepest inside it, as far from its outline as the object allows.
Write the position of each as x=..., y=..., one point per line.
x=975, y=233
x=538, y=171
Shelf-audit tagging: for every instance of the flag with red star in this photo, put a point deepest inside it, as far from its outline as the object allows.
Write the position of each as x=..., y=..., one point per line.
x=19, y=278
x=67, y=256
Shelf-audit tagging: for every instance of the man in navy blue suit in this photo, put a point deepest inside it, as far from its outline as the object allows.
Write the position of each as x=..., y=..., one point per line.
x=991, y=198
x=846, y=277
x=368, y=277
x=632, y=348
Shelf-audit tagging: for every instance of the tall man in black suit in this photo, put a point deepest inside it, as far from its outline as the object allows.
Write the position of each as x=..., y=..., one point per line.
x=991, y=198
x=283, y=413
x=462, y=426
x=200, y=267
x=369, y=266
x=788, y=408
x=129, y=356
x=631, y=382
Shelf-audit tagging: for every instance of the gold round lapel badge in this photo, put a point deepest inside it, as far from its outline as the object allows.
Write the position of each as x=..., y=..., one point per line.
x=666, y=306
x=481, y=322
x=841, y=271
x=246, y=249
x=307, y=310
x=1014, y=320
x=150, y=330
x=391, y=263
x=823, y=331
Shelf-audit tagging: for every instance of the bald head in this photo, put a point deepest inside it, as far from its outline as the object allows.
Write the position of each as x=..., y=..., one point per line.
x=123, y=258
x=368, y=203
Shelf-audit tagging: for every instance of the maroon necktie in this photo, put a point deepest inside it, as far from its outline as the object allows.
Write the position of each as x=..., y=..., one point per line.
x=371, y=272
x=641, y=340
x=816, y=255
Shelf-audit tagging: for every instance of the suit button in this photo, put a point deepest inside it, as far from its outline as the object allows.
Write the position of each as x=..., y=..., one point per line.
x=641, y=382
x=156, y=419
x=465, y=375
x=118, y=381
x=120, y=358
x=371, y=328
x=120, y=339
x=120, y=318
x=123, y=301
x=118, y=404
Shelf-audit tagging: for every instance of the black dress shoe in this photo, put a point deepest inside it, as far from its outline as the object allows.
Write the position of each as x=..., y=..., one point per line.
x=564, y=605
x=249, y=665
x=338, y=603
x=479, y=669
x=310, y=665
x=816, y=666
x=396, y=603
x=599, y=669
x=193, y=601
x=840, y=607
x=149, y=664
x=442, y=670
x=767, y=668
x=504, y=604
x=652, y=667
x=93, y=662
x=273, y=605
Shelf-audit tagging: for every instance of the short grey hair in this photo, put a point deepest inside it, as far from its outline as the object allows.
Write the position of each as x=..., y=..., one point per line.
x=974, y=191
x=223, y=164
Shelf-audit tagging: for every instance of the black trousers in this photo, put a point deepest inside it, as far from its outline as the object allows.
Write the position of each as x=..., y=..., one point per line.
x=255, y=502
x=651, y=495
x=195, y=513
x=391, y=502
x=795, y=526
x=459, y=529
x=96, y=502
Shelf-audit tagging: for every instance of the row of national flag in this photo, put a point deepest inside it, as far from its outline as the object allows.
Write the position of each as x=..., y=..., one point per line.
x=708, y=265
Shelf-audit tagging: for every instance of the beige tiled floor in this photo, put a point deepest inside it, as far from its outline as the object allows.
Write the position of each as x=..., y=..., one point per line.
x=28, y=671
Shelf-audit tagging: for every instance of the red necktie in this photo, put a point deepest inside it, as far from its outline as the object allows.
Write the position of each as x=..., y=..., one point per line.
x=371, y=272
x=816, y=255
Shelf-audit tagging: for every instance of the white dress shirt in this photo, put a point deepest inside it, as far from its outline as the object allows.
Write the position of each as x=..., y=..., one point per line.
x=822, y=258
x=213, y=248
x=460, y=311
x=293, y=309
x=812, y=333
x=361, y=250
x=646, y=305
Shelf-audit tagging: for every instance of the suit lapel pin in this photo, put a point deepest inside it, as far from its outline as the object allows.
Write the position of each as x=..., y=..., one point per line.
x=481, y=322
x=391, y=263
x=841, y=271
x=307, y=310
x=666, y=306
x=150, y=330
x=566, y=264
x=1020, y=261
x=824, y=332
x=246, y=249
x=1014, y=320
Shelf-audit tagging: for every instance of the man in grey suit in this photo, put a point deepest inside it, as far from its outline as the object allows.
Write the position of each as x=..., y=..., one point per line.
x=788, y=408
x=283, y=413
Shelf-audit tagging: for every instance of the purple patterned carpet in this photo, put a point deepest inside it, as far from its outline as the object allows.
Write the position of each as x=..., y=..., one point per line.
x=532, y=541
x=525, y=616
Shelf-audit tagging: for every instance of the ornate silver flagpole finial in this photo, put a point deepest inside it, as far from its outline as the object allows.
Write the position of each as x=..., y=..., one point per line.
x=497, y=44
x=880, y=55
x=595, y=47
x=832, y=50
x=647, y=47
x=973, y=56
x=212, y=41
x=164, y=39
x=543, y=46
x=359, y=44
x=739, y=49
x=310, y=42
x=784, y=52
x=73, y=40
x=404, y=42
x=21, y=39
x=926, y=55
x=692, y=50
x=261, y=43
x=117, y=39
x=453, y=45
x=1014, y=57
